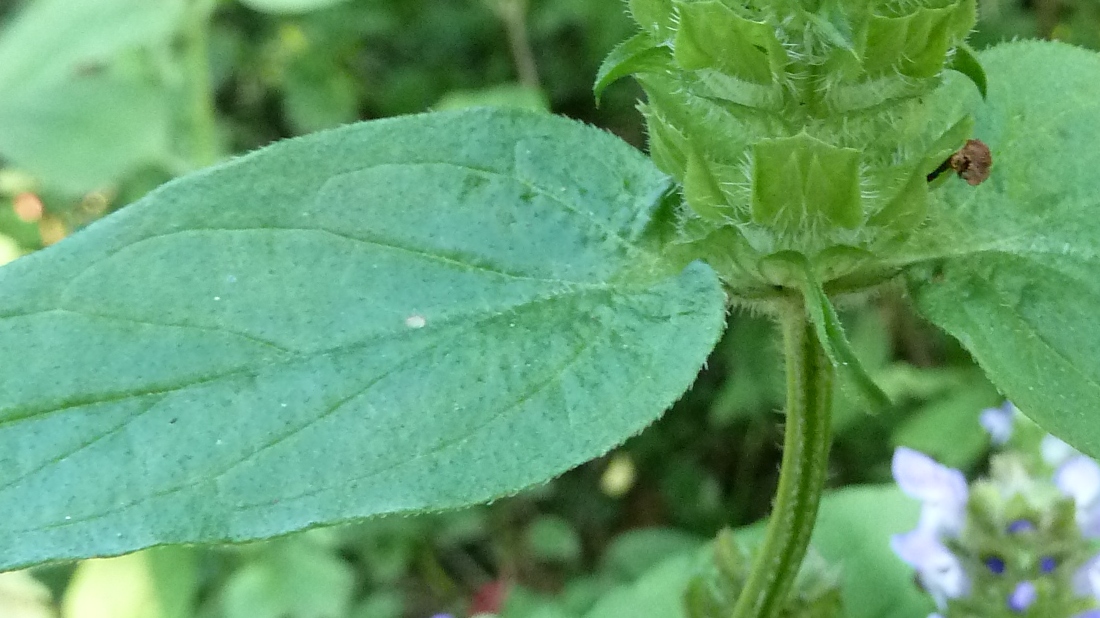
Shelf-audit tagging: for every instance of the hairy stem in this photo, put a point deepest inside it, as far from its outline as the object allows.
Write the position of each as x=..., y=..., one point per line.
x=802, y=477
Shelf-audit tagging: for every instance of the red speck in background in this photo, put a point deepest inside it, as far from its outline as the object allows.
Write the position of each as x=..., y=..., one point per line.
x=28, y=207
x=489, y=599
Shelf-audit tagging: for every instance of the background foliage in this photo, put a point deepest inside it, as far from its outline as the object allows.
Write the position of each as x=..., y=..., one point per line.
x=147, y=106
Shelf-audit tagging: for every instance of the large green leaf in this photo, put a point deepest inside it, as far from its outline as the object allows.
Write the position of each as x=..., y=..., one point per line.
x=402, y=315
x=1018, y=282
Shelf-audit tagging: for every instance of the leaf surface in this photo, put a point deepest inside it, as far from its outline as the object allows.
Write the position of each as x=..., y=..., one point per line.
x=402, y=315
x=1013, y=267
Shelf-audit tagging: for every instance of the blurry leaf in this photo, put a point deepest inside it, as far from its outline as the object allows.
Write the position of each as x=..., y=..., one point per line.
x=1017, y=279
x=947, y=429
x=875, y=583
x=21, y=596
x=79, y=35
x=84, y=133
x=515, y=96
x=553, y=539
x=385, y=604
x=295, y=577
x=157, y=583
x=524, y=603
x=9, y=250
x=65, y=116
x=634, y=552
x=319, y=97
x=289, y=6
x=853, y=532
x=411, y=314
x=755, y=382
x=657, y=594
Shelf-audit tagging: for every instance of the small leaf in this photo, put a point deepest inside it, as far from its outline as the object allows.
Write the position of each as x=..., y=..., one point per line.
x=1010, y=267
x=637, y=54
x=654, y=16
x=830, y=332
x=965, y=61
x=403, y=315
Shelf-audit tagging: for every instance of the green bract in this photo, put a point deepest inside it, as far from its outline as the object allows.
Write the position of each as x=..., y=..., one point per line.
x=798, y=129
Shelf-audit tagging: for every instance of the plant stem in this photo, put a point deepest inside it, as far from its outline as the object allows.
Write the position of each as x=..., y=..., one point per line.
x=802, y=476
x=514, y=15
x=200, y=94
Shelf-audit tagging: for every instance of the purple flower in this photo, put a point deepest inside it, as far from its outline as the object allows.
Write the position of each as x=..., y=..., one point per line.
x=443, y=616
x=998, y=422
x=943, y=490
x=939, y=571
x=1092, y=613
x=1079, y=478
x=1022, y=597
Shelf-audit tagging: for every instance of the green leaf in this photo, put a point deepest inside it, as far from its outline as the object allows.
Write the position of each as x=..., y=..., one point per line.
x=289, y=7
x=830, y=332
x=157, y=583
x=658, y=593
x=295, y=577
x=517, y=96
x=80, y=35
x=965, y=61
x=635, y=55
x=72, y=117
x=1012, y=267
x=955, y=414
x=396, y=316
x=85, y=133
x=853, y=532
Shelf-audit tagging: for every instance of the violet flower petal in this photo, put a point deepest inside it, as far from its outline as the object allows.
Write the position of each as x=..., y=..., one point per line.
x=1086, y=580
x=1079, y=478
x=998, y=422
x=939, y=571
x=1022, y=597
x=943, y=490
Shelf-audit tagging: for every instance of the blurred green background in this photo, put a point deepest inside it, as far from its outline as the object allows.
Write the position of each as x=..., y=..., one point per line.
x=103, y=100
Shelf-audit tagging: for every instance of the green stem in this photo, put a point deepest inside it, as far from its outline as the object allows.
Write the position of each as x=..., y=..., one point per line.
x=200, y=93
x=802, y=476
